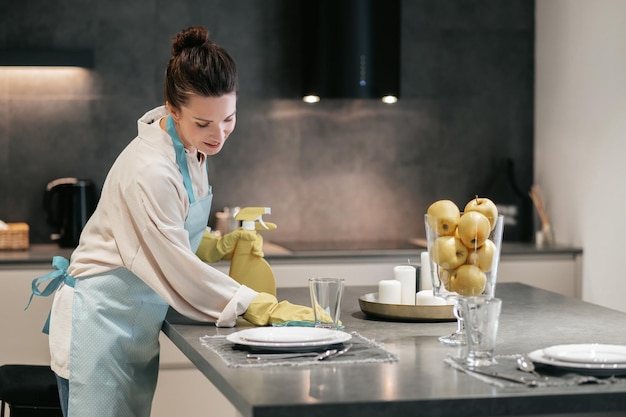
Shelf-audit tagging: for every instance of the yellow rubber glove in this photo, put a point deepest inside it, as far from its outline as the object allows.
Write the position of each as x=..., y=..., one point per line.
x=215, y=248
x=266, y=310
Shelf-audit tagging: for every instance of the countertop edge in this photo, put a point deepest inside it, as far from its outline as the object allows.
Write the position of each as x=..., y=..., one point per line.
x=42, y=254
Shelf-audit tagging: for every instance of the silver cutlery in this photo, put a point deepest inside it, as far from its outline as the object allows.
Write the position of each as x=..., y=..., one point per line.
x=335, y=354
x=526, y=365
x=458, y=364
x=507, y=377
x=330, y=353
x=280, y=356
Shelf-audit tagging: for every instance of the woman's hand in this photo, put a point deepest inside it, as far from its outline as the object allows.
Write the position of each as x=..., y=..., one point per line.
x=215, y=248
x=266, y=310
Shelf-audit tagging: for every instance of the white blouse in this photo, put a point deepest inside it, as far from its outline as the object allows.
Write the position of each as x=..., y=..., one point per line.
x=139, y=225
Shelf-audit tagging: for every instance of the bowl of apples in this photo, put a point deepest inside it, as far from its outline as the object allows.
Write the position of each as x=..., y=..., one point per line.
x=464, y=252
x=464, y=247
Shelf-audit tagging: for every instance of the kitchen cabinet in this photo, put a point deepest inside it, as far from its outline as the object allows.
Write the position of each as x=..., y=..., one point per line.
x=187, y=392
x=557, y=272
x=22, y=339
x=560, y=273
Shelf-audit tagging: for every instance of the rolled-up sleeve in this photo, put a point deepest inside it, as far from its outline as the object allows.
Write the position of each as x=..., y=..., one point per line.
x=166, y=261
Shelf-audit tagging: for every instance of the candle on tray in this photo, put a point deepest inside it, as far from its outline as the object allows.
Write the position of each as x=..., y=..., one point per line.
x=426, y=298
x=406, y=274
x=389, y=291
x=426, y=282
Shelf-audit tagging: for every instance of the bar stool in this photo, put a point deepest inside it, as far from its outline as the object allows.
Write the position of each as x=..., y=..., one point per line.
x=29, y=391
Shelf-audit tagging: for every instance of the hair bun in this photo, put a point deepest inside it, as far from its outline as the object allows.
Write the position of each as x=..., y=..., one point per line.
x=192, y=37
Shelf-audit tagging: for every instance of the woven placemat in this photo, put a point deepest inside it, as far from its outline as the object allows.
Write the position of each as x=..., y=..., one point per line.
x=546, y=377
x=363, y=350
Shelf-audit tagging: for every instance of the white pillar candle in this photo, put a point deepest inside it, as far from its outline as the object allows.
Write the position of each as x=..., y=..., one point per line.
x=407, y=276
x=426, y=282
x=426, y=298
x=389, y=291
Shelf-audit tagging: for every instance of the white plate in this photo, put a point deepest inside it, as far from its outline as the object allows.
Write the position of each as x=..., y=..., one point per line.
x=598, y=369
x=594, y=353
x=286, y=334
x=337, y=337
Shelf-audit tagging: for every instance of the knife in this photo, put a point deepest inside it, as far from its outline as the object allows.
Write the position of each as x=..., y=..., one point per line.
x=330, y=353
x=455, y=363
x=281, y=356
x=507, y=377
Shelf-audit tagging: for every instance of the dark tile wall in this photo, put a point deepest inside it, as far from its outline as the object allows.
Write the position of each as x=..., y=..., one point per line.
x=337, y=170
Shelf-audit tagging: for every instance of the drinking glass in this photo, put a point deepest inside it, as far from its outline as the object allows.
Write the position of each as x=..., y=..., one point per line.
x=326, y=295
x=482, y=316
x=443, y=279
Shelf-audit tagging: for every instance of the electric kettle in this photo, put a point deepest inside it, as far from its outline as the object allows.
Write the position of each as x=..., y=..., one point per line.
x=68, y=204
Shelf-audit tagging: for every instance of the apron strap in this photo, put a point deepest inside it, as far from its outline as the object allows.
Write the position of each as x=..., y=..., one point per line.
x=55, y=277
x=181, y=157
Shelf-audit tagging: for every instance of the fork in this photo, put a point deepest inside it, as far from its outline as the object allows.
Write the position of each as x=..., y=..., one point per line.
x=326, y=355
x=280, y=356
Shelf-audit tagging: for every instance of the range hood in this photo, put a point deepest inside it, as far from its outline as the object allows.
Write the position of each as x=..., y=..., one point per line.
x=351, y=49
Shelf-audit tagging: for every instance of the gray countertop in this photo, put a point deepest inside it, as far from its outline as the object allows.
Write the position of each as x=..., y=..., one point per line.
x=41, y=254
x=419, y=383
x=287, y=252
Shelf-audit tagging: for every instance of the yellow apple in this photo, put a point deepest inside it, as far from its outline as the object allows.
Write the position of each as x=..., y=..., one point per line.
x=474, y=229
x=483, y=256
x=443, y=217
x=484, y=206
x=468, y=280
x=448, y=252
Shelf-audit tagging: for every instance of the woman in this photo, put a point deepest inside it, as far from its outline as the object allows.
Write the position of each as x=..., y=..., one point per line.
x=137, y=254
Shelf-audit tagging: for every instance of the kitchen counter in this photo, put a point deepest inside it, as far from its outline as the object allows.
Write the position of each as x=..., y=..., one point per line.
x=396, y=247
x=35, y=254
x=287, y=252
x=554, y=268
x=419, y=383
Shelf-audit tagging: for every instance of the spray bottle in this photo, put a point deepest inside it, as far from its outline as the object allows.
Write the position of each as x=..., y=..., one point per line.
x=247, y=268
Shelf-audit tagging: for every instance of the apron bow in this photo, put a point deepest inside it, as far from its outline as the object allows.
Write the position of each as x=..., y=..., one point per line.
x=55, y=277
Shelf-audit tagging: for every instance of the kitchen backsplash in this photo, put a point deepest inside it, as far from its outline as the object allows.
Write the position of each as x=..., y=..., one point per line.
x=336, y=170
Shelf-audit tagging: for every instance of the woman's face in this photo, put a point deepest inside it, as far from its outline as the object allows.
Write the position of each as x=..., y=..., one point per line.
x=205, y=123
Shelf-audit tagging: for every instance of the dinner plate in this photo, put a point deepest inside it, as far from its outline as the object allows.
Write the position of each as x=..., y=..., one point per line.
x=593, y=353
x=598, y=369
x=338, y=337
x=403, y=312
x=287, y=334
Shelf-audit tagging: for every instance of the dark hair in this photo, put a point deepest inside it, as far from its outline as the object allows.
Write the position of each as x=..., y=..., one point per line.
x=198, y=66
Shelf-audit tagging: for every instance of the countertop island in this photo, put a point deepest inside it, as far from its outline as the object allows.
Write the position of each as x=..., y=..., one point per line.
x=420, y=383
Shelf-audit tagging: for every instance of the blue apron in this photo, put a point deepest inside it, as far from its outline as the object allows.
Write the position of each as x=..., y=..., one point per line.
x=114, y=357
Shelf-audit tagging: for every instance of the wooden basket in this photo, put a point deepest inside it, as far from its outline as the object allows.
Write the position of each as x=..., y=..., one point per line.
x=15, y=237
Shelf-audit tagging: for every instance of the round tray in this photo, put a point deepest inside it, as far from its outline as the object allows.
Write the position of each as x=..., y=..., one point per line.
x=402, y=312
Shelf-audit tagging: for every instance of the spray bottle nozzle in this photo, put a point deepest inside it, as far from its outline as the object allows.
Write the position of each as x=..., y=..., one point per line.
x=249, y=215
